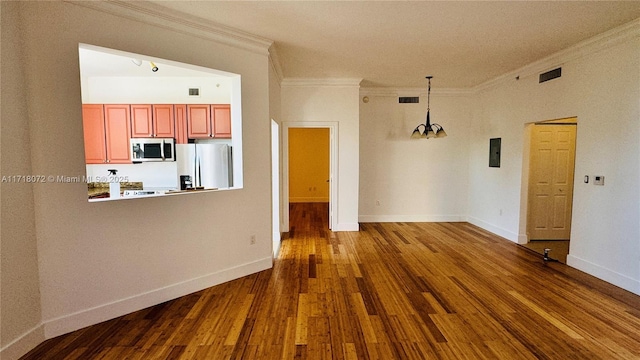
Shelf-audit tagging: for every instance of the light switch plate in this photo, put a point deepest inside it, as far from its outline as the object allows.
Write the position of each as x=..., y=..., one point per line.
x=598, y=180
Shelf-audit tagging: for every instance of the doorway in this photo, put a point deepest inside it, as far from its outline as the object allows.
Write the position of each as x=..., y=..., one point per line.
x=319, y=188
x=550, y=186
x=308, y=165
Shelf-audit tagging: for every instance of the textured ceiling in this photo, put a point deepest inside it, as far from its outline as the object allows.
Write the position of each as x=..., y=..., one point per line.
x=396, y=43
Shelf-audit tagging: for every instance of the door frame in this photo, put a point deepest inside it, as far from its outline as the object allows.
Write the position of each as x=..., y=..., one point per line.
x=275, y=188
x=523, y=237
x=333, y=167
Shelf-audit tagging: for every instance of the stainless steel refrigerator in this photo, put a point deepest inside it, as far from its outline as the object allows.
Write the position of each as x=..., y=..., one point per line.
x=208, y=162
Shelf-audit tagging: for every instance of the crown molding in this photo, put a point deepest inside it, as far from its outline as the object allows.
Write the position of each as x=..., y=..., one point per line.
x=395, y=91
x=157, y=15
x=585, y=48
x=338, y=82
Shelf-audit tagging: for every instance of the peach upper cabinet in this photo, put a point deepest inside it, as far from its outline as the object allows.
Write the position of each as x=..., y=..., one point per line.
x=152, y=121
x=95, y=151
x=209, y=121
x=180, y=115
x=221, y=120
x=107, y=130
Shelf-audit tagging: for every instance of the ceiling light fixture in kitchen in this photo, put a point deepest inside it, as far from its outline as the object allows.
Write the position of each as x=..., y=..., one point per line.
x=154, y=68
x=430, y=130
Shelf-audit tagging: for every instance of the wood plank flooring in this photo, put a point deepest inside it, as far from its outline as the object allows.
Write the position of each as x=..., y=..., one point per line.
x=390, y=291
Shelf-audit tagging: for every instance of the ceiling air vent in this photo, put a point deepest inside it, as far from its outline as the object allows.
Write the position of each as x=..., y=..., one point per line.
x=550, y=75
x=194, y=92
x=408, y=100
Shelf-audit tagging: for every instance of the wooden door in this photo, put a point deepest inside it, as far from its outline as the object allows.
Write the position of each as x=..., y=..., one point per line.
x=180, y=112
x=118, y=132
x=551, y=170
x=163, y=121
x=221, y=120
x=94, y=134
x=141, y=121
x=198, y=121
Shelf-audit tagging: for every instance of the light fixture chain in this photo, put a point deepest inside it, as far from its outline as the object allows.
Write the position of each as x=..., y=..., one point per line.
x=429, y=94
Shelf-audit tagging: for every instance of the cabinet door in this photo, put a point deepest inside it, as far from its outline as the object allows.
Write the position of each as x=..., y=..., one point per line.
x=180, y=112
x=198, y=121
x=118, y=131
x=94, y=135
x=141, y=125
x=163, y=121
x=221, y=120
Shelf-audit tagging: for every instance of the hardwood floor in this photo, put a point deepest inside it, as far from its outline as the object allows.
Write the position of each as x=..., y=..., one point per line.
x=390, y=291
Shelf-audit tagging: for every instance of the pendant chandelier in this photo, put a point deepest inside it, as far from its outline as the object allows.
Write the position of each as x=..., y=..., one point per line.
x=430, y=130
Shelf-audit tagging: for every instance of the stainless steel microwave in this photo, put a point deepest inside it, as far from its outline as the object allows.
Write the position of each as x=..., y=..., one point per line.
x=153, y=149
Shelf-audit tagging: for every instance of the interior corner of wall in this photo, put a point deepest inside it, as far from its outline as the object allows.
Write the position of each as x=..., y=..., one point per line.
x=24, y=343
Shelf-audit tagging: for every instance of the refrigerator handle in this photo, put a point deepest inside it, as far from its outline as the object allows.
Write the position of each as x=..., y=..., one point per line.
x=230, y=166
x=198, y=174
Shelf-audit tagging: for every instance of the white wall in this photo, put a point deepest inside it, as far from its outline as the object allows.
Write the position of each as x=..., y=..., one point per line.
x=101, y=260
x=600, y=84
x=20, y=310
x=413, y=179
x=331, y=101
x=494, y=193
x=275, y=103
x=160, y=90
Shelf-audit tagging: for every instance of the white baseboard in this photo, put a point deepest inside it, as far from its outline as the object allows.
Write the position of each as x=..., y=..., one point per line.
x=605, y=274
x=494, y=229
x=346, y=227
x=23, y=344
x=411, y=218
x=523, y=239
x=81, y=319
x=277, y=243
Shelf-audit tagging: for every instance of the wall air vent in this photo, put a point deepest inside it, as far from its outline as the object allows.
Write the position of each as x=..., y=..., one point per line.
x=408, y=100
x=550, y=75
x=194, y=92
